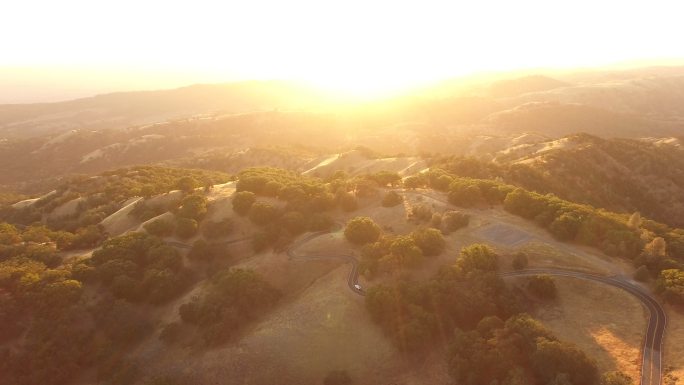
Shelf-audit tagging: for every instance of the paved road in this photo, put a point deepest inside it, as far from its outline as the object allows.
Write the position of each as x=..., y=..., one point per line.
x=652, y=353
x=651, y=367
x=182, y=245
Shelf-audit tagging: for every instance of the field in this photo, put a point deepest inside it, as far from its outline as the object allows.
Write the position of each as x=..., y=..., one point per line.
x=611, y=333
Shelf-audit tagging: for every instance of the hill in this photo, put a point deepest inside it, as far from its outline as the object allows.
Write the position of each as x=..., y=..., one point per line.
x=624, y=175
x=125, y=109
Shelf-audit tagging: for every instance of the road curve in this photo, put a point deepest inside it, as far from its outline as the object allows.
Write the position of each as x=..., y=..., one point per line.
x=651, y=366
x=652, y=352
x=352, y=279
x=182, y=245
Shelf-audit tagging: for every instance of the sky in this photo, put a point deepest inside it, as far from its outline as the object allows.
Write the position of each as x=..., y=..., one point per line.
x=51, y=48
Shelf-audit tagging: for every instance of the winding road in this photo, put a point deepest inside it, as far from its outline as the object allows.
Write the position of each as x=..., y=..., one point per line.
x=352, y=279
x=652, y=352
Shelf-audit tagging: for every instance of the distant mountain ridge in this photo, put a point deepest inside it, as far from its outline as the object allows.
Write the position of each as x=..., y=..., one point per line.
x=125, y=109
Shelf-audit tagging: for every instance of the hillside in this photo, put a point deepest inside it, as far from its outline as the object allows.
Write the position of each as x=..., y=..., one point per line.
x=623, y=175
x=232, y=278
x=125, y=109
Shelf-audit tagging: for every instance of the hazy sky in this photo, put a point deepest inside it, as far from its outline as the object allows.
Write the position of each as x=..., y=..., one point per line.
x=350, y=45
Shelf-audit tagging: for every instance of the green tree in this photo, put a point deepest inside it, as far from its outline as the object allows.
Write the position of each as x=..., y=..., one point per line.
x=454, y=220
x=552, y=358
x=187, y=184
x=9, y=234
x=430, y=241
x=243, y=201
x=477, y=257
x=671, y=285
x=362, y=230
x=543, y=286
x=193, y=207
x=262, y=213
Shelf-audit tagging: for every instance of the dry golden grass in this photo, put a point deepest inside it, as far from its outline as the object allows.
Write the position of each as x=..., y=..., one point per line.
x=673, y=357
x=544, y=255
x=605, y=322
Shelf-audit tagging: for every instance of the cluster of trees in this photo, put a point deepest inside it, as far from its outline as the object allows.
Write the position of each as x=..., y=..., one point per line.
x=305, y=203
x=413, y=314
x=39, y=237
x=614, y=234
x=447, y=221
x=137, y=267
x=61, y=334
x=385, y=253
x=102, y=195
x=189, y=213
x=517, y=351
x=572, y=222
x=469, y=301
x=234, y=298
x=394, y=254
x=671, y=285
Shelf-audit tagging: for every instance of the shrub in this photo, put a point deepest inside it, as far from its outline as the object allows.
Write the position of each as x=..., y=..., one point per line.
x=454, y=220
x=160, y=227
x=616, y=378
x=422, y=212
x=543, y=286
x=362, y=230
x=392, y=199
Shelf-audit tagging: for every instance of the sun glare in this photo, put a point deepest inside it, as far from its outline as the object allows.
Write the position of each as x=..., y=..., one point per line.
x=359, y=48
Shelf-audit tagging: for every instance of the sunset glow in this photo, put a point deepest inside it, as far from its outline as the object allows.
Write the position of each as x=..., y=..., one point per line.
x=358, y=47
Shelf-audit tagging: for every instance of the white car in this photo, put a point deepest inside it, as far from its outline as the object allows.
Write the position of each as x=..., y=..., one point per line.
x=357, y=287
